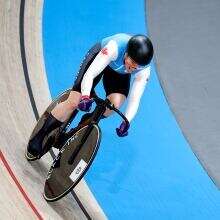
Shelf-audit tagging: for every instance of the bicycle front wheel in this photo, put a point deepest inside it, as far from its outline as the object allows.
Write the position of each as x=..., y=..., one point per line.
x=62, y=176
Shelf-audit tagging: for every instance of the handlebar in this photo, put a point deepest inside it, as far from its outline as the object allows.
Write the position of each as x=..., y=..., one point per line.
x=111, y=106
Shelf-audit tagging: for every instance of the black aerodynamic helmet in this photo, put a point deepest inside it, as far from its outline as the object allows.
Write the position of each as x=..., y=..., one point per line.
x=140, y=49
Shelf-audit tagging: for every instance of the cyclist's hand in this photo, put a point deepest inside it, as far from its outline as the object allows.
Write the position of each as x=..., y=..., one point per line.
x=122, y=131
x=85, y=103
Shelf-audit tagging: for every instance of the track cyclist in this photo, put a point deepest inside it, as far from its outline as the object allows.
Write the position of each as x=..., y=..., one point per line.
x=116, y=60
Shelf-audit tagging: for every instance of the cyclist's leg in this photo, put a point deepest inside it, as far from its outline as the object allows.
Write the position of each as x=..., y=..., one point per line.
x=63, y=110
x=117, y=87
x=117, y=99
x=34, y=148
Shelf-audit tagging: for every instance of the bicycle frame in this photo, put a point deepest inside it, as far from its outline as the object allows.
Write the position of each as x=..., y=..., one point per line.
x=96, y=117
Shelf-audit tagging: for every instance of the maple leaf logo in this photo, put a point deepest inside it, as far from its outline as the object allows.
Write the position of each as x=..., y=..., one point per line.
x=104, y=51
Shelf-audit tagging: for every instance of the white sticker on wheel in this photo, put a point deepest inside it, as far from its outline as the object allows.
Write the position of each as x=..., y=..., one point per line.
x=78, y=170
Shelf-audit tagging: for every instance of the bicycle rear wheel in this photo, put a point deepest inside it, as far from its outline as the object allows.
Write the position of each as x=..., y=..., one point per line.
x=62, y=176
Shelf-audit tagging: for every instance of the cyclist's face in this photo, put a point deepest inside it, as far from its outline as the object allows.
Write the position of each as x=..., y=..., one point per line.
x=130, y=65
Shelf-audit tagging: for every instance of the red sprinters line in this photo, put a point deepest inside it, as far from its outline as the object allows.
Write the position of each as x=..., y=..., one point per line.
x=19, y=186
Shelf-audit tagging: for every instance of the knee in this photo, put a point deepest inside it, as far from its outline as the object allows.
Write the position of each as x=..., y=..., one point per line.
x=72, y=103
x=117, y=99
x=117, y=104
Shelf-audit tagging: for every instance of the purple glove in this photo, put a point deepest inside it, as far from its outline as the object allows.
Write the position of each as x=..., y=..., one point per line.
x=122, y=131
x=85, y=103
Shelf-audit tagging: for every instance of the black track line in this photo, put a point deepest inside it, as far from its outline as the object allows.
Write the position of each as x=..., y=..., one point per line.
x=30, y=92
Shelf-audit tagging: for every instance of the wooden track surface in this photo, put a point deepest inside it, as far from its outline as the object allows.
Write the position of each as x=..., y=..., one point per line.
x=18, y=119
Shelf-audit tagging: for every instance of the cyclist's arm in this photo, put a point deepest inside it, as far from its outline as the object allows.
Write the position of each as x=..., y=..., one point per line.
x=104, y=57
x=137, y=90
